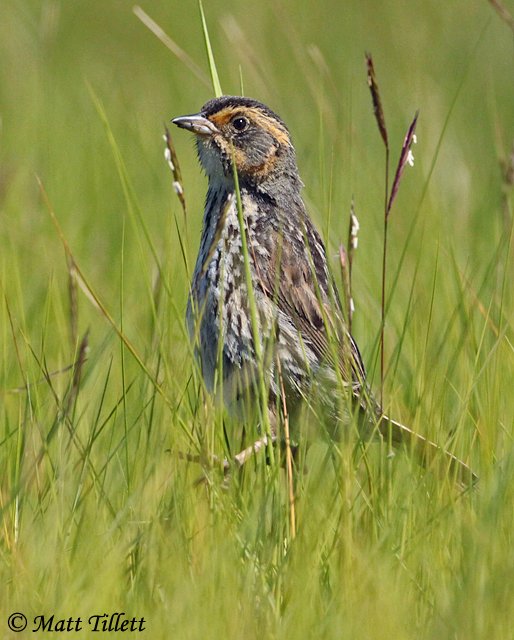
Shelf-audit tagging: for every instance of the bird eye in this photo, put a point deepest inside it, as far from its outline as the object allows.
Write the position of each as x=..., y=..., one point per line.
x=240, y=124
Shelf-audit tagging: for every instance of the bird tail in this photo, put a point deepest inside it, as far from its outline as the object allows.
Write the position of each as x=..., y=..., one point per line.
x=429, y=454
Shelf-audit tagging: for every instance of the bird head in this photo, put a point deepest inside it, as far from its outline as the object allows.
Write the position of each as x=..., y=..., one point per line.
x=240, y=130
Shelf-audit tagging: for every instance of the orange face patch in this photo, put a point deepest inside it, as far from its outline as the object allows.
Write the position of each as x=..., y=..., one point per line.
x=244, y=162
x=222, y=118
x=271, y=126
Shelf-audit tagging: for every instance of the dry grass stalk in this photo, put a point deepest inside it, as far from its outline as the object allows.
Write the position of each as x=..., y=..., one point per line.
x=377, y=103
x=73, y=302
x=346, y=261
x=77, y=373
x=405, y=158
x=380, y=118
x=503, y=13
x=172, y=160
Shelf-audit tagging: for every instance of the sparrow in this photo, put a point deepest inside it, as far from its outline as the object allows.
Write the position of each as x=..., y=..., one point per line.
x=275, y=320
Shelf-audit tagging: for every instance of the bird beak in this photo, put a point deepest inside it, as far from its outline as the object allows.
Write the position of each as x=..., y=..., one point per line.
x=197, y=124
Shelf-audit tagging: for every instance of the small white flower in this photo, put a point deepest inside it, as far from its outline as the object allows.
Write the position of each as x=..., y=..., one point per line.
x=410, y=158
x=355, y=225
x=414, y=138
x=352, y=306
x=178, y=188
x=355, y=242
x=167, y=156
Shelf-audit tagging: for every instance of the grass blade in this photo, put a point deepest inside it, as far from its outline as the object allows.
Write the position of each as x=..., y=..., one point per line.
x=171, y=44
x=212, y=65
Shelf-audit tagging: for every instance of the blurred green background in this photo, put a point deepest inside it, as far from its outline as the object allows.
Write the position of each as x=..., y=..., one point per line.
x=96, y=511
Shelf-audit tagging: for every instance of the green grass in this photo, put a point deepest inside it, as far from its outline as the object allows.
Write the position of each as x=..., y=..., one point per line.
x=98, y=513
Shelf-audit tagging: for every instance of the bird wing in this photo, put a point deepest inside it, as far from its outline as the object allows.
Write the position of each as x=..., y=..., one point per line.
x=304, y=290
x=293, y=273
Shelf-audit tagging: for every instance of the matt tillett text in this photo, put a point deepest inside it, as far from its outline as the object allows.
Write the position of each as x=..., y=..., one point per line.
x=100, y=622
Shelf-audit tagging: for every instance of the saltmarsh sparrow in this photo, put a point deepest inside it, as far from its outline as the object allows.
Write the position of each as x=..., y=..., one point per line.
x=307, y=353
